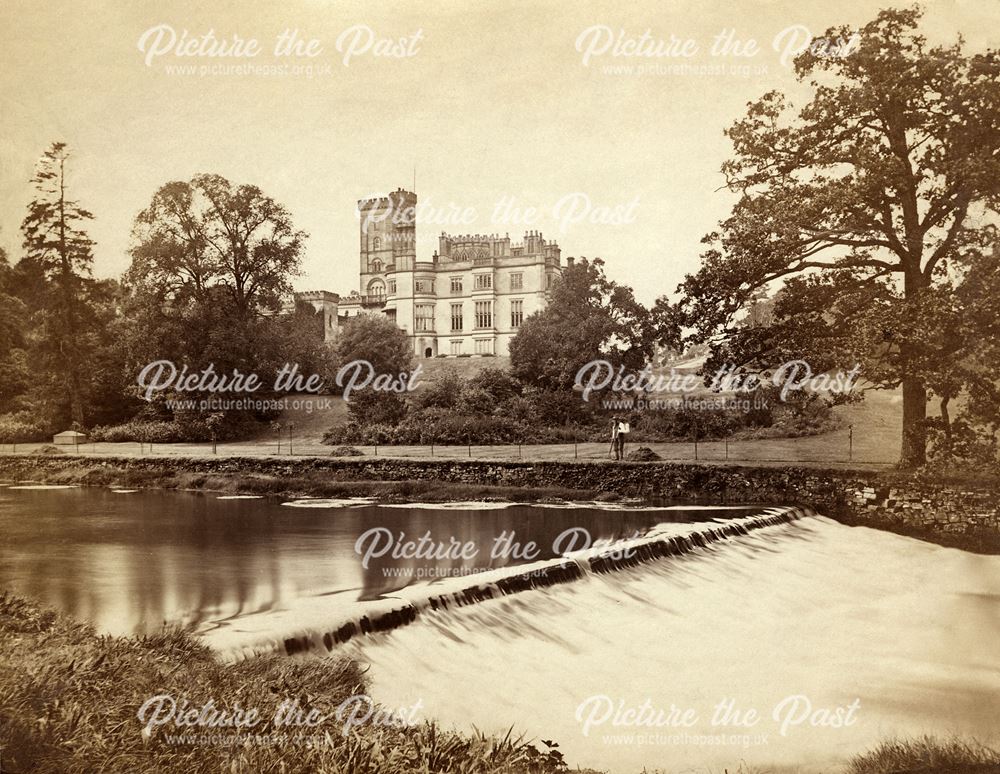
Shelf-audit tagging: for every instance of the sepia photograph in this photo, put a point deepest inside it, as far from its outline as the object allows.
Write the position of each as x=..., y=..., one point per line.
x=514, y=387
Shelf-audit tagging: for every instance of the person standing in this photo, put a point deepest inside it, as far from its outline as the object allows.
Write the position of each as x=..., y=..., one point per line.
x=623, y=430
x=616, y=438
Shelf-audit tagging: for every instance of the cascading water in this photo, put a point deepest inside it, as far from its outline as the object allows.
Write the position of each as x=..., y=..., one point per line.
x=402, y=608
x=835, y=637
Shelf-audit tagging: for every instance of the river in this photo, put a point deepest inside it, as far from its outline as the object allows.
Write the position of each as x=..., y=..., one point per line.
x=790, y=648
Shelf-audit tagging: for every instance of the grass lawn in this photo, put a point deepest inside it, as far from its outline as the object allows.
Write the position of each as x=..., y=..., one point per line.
x=876, y=422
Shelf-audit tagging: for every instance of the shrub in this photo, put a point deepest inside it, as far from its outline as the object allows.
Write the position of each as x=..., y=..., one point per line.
x=443, y=392
x=960, y=450
x=642, y=454
x=346, y=451
x=371, y=407
x=18, y=428
x=152, y=431
x=497, y=383
x=476, y=401
x=441, y=426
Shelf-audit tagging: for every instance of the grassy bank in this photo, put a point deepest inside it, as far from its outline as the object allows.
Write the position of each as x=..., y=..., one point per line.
x=69, y=700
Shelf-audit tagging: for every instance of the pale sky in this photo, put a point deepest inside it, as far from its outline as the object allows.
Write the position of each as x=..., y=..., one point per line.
x=494, y=105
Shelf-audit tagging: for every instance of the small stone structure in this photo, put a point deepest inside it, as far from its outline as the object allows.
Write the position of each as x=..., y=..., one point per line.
x=69, y=438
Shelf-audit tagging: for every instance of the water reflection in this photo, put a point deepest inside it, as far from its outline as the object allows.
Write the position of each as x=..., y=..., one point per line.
x=132, y=562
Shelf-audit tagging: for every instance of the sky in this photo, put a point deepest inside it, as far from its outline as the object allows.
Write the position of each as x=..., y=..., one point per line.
x=493, y=107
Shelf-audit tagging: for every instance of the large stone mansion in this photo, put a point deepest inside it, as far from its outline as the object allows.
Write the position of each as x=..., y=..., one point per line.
x=470, y=298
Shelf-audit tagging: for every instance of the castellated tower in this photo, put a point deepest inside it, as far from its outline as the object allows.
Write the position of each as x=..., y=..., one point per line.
x=469, y=299
x=387, y=228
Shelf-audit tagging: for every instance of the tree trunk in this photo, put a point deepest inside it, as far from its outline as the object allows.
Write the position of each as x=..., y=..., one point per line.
x=69, y=352
x=914, y=452
x=946, y=418
x=914, y=447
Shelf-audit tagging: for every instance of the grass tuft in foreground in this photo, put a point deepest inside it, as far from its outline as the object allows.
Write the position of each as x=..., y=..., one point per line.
x=927, y=755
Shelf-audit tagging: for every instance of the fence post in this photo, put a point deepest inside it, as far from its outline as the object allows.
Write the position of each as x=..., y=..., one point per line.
x=576, y=454
x=290, y=426
x=376, y=448
x=215, y=449
x=432, y=448
x=469, y=439
x=727, y=447
x=850, y=443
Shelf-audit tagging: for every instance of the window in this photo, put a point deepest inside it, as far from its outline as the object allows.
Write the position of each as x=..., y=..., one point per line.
x=376, y=288
x=548, y=281
x=424, y=320
x=376, y=266
x=484, y=346
x=516, y=313
x=456, y=347
x=484, y=281
x=456, y=317
x=392, y=287
x=456, y=285
x=484, y=314
x=517, y=281
x=377, y=243
x=424, y=286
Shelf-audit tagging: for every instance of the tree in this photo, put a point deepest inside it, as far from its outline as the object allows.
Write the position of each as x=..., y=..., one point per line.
x=864, y=204
x=387, y=350
x=209, y=280
x=588, y=317
x=375, y=339
x=55, y=240
x=14, y=372
x=207, y=234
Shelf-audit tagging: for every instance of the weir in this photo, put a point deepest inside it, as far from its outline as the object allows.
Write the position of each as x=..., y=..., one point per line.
x=409, y=604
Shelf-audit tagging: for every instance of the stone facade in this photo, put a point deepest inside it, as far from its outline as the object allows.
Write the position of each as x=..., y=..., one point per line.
x=469, y=299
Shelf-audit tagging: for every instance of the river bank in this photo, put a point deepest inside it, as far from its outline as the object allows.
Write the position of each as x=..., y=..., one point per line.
x=957, y=514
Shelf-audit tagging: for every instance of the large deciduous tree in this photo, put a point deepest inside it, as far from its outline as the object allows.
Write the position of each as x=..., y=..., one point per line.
x=867, y=203
x=211, y=267
x=588, y=317
x=209, y=241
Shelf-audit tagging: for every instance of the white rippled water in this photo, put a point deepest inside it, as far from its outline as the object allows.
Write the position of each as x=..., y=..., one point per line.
x=812, y=609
